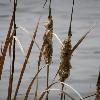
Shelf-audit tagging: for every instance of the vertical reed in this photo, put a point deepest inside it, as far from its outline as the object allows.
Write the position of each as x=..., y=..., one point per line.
x=8, y=41
x=13, y=60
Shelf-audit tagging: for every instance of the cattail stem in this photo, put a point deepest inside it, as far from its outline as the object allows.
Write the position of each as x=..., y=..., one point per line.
x=13, y=60
x=62, y=95
x=47, y=81
x=9, y=87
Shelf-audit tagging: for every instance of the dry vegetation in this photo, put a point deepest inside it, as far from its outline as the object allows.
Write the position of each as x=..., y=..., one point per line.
x=46, y=51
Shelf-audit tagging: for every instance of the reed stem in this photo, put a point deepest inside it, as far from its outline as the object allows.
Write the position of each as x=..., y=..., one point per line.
x=13, y=60
x=47, y=81
x=62, y=95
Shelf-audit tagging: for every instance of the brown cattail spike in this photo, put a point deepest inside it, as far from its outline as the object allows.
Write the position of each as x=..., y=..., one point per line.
x=47, y=51
x=65, y=66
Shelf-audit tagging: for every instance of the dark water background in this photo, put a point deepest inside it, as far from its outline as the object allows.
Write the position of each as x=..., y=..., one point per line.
x=86, y=59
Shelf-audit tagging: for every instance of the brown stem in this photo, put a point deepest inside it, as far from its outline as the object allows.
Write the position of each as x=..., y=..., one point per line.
x=47, y=81
x=61, y=98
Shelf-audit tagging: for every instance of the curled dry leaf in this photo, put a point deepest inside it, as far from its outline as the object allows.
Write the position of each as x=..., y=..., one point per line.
x=66, y=85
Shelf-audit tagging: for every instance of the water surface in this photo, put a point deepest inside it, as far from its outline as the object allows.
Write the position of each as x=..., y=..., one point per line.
x=86, y=59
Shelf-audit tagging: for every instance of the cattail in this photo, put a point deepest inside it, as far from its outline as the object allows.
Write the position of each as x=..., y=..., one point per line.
x=65, y=65
x=47, y=48
x=47, y=45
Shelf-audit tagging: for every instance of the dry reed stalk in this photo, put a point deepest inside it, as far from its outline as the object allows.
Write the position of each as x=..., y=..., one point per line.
x=10, y=77
x=9, y=87
x=89, y=96
x=98, y=88
x=13, y=60
x=7, y=42
x=25, y=61
x=47, y=48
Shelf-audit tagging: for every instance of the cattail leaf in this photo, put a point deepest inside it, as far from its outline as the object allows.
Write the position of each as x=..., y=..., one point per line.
x=62, y=91
x=25, y=61
x=83, y=37
x=44, y=92
x=27, y=32
x=2, y=57
x=7, y=41
x=20, y=45
x=31, y=83
x=58, y=39
x=66, y=85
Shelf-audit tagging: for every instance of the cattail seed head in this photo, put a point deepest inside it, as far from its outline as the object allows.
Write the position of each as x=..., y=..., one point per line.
x=48, y=50
x=65, y=66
